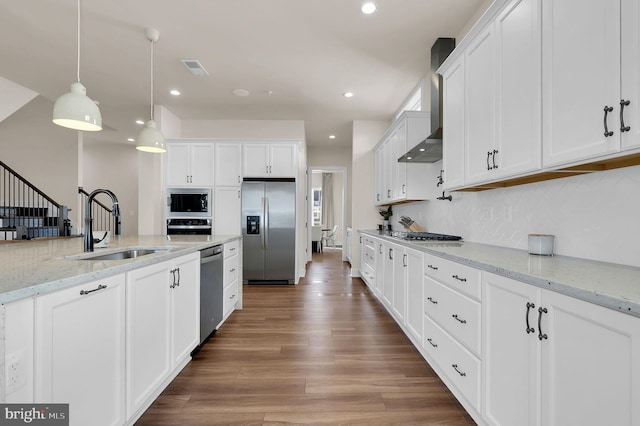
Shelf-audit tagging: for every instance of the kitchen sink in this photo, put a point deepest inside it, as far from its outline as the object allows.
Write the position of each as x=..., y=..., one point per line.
x=130, y=253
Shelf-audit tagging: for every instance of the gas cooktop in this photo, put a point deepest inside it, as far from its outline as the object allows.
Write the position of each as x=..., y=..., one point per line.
x=428, y=236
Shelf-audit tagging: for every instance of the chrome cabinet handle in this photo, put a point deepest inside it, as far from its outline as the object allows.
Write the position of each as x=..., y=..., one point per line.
x=488, y=155
x=529, y=329
x=100, y=287
x=404, y=260
x=232, y=296
x=388, y=193
x=178, y=283
x=380, y=250
x=432, y=300
x=607, y=110
x=461, y=373
x=461, y=321
x=464, y=280
x=495, y=166
x=435, y=268
x=431, y=343
x=623, y=104
x=541, y=336
x=404, y=191
x=390, y=254
x=173, y=278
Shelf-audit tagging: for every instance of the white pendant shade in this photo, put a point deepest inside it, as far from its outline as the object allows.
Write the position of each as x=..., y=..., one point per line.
x=76, y=110
x=150, y=139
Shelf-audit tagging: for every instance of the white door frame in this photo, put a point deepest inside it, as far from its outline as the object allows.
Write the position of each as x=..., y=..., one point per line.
x=331, y=169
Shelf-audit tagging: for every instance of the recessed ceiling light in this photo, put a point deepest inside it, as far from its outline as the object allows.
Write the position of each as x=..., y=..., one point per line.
x=421, y=149
x=140, y=122
x=175, y=92
x=240, y=92
x=131, y=140
x=348, y=94
x=409, y=158
x=369, y=7
x=332, y=136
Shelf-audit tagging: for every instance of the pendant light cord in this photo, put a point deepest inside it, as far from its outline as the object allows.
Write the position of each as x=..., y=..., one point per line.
x=151, y=79
x=78, y=38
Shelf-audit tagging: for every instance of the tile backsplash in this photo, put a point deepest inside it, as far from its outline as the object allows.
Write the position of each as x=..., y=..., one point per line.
x=593, y=216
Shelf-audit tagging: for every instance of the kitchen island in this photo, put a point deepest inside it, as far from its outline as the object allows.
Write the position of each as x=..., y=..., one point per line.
x=103, y=335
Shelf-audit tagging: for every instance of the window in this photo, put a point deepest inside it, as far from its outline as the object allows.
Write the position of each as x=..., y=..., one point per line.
x=317, y=207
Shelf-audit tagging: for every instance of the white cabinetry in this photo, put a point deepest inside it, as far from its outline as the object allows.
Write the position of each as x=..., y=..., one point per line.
x=228, y=164
x=415, y=308
x=387, y=282
x=163, y=320
x=19, y=348
x=397, y=182
x=80, y=351
x=348, y=242
x=630, y=77
x=368, y=264
x=399, y=283
x=189, y=164
x=231, y=278
x=453, y=125
x=270, y=159
x=227, y=210
x=553, y=359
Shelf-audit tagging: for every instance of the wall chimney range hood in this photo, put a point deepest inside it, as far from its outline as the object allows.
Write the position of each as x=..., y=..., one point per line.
x=430, y=149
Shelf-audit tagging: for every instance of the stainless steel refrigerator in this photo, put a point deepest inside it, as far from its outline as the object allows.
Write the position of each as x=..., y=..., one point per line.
x=269, y=230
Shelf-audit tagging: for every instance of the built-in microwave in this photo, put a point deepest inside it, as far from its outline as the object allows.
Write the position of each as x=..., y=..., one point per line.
x=189, y=202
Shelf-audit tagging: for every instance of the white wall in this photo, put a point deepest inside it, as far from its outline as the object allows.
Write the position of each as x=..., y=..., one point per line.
x=364, y=214
x=246, y=129
x=594, y=216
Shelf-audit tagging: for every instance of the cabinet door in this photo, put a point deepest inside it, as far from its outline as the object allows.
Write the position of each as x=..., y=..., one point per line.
x=589, y=364
x=380, y=274
x=630, y=77
x=581, y=76
x=148, y=332
x=201, y=164
x=80, y=355
x=228, y=164
x=177, y=164
x=379, y=176
x=480, y=70
x=510, y=354
x=227, y=211
x=387, y=285
x=519, y=121
x=415, y=306
x=453, y=125
x=283, y=160
x=387, y=190
x=399, y=283
x=400, y=169
x=255, y=160
x=185, y=307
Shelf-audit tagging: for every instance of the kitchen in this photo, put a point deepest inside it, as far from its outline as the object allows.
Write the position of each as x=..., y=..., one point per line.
x=589, y=215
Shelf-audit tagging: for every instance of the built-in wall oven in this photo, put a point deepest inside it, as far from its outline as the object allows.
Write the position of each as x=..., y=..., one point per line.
x=189, y=211
x=188, y=226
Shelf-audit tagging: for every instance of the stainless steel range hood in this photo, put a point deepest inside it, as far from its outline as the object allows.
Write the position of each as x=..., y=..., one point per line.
x=430, y=149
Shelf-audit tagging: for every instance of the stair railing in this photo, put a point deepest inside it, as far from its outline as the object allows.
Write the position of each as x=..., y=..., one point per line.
x=27, y=211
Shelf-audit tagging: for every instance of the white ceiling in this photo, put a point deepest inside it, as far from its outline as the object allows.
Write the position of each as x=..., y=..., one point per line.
x=306, y=52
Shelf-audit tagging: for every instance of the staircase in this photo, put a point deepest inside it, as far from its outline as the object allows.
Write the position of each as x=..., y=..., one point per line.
x=26, y=212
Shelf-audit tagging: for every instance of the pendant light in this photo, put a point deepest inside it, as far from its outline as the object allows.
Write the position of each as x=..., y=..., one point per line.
x=150, y=139
x=75, y=109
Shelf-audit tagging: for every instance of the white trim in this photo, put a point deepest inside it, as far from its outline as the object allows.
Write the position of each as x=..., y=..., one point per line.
x=415, y=96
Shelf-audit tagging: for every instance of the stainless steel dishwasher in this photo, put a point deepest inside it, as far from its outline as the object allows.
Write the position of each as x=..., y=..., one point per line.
x=211, y=287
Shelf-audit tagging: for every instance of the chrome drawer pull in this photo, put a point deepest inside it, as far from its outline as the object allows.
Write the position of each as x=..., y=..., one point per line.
x=430, y=299
x=455, y=367
x=464, y=280
x=431, y=343
x=541, y=336
x=435, y=268
x=458, y=319
x=232, y=296
x=529, y=329
x=100, y=287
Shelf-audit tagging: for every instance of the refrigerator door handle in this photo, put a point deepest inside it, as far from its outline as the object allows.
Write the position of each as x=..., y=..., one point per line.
x=265, y=228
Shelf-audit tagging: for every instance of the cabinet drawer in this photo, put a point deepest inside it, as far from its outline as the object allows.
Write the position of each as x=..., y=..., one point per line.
x=459, y=315
x=370, y=256
x=461, y=277
x=369, y=242
x=460, y=366
x=230, y=296
x=231, y=248
x=369, y=275
x=231, y=270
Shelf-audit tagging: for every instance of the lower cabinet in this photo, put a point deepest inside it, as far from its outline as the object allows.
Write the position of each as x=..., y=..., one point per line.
x=231, y=278
x=80, y=351
x=414, y=288
x=163, y=320
x=551, y=359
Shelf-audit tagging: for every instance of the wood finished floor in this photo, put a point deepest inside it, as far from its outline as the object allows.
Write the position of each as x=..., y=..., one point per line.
x=324, y=352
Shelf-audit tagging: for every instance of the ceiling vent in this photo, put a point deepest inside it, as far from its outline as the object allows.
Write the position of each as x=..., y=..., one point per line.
x=194, y=66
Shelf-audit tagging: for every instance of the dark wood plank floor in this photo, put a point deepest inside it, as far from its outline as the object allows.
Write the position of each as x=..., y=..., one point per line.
x=322, y=352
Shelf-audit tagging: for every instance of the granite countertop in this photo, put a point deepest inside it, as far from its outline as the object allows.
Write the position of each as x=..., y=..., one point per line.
x=606, y=284
x=36, y=267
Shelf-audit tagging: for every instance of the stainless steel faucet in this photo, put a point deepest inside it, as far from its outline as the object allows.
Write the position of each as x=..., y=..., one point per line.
x=88, y=219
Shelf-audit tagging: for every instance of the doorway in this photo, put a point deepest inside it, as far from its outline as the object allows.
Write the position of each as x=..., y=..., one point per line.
x=326, y=209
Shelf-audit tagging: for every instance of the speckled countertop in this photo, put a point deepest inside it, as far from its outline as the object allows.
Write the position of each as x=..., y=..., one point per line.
x=37, y=267
x=607, y=284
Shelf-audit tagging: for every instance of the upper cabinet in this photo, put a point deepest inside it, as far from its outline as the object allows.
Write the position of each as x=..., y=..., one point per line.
x=492, y=97
x=270, y=159
x=189, y=164
x=228, y=164
x=581, y=79
x=541, y=86
x=398, y=182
